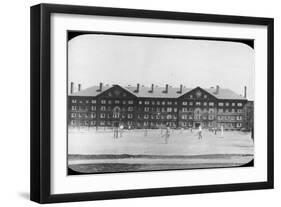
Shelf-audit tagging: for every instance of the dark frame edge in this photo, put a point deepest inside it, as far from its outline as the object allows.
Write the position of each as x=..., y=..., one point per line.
x=157, y=192
x=40, y=104
x=270, y=102
x=35, y=161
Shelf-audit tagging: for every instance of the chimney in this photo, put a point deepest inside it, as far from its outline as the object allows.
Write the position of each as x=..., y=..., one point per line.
x=180, y=91
x=217, y=89
x=245, y=91
x=79, y=87
x=138, y=88
x=166, y=89
x=152, y=88
x=100, y=88
x=71, y=87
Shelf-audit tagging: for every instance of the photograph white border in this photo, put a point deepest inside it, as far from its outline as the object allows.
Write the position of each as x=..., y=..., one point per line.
x=61, y=183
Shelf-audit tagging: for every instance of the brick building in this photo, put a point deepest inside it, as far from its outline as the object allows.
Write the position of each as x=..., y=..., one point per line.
x=154, y=107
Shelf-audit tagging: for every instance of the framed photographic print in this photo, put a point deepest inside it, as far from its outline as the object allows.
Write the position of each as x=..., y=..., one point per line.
x=133, y=103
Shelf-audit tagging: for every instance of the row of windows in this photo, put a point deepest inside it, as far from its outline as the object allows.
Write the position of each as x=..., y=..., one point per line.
x=158, y=124
x=184, y=103
x=158, y=109
x=93, y=101
x=158, y=102
x=228, y=104
x=230, y=118
x=230, y=110
x=229, y=125
x=103, y=101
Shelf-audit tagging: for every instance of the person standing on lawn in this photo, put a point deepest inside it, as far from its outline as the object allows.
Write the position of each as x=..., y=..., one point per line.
x=200, y=132
x=167, y=135
x=221, y=130
x=121, y=130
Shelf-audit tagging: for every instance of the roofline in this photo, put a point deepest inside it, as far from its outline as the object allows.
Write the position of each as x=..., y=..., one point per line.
x=195, y=89
x=113, y=87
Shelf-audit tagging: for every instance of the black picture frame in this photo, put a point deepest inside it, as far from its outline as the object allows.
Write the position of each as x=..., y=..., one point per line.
x=40, y=175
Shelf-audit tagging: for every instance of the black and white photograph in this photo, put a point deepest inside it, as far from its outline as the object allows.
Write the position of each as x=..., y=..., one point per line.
x=144, y=102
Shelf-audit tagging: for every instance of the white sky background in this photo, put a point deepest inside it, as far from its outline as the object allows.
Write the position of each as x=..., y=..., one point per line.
x=128, y=60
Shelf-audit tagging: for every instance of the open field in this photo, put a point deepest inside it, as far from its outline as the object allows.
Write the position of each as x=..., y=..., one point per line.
x=97, y=151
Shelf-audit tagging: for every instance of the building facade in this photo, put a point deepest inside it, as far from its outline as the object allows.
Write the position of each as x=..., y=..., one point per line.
x=157, y=107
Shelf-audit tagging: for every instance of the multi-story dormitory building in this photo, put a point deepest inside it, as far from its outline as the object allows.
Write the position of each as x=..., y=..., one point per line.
x=155, y=107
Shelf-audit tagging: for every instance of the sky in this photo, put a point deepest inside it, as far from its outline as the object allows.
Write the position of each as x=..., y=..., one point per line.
x=128, y=60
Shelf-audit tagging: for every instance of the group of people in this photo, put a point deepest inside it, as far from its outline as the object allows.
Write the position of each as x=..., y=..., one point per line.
x=200, y=133
x=118, y=130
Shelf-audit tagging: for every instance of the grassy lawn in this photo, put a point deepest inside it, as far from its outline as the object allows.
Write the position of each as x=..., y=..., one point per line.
x=97, y=151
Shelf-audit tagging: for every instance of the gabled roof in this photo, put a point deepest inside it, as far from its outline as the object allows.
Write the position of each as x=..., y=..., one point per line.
x=144, y=92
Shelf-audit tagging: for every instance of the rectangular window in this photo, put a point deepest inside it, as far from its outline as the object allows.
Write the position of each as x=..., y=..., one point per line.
x=169, y=116
x=169, y=103
x=130, y=116
x=184, y=103
x=146, y=102
x=124, y=102
x=102, y=116
x=73, y=100
x=233, y=104
x=140, y=102
x=226, y=104
x=103, y=108
x=169, y=109
x=73, y=107
x=94, y=101
x=190, y=103
x=220, y=103
x=184, y=116
x=211, y=103
x=130, y=108
x=117, y=102
x=93, y=108
x=146, y=116
x=220, y=110
x=103, y=101
x=146, y=109
x=184, y=109
x=130, y=102
x=163, y=102
x=239, y=104
x=73, y=115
